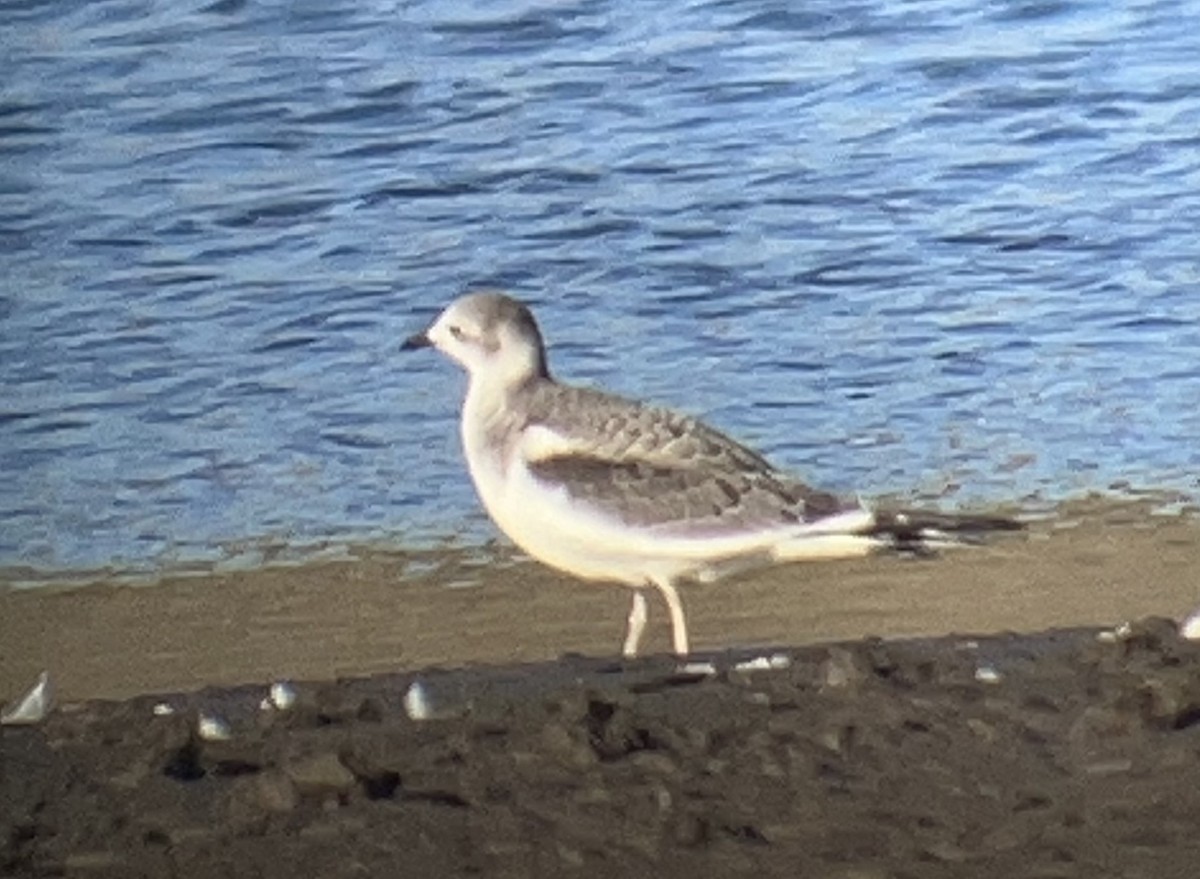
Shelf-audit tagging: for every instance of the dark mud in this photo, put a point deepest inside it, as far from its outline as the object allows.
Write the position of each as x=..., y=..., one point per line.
x=1056, y=755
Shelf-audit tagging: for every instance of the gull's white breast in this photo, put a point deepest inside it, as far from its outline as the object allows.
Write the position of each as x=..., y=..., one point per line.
x=558, y=528
x=545, y=523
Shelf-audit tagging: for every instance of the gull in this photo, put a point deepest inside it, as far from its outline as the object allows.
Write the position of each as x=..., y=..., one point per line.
x=613, y=490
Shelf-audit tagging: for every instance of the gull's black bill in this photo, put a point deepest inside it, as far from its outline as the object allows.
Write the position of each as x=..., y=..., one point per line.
x=415, y=341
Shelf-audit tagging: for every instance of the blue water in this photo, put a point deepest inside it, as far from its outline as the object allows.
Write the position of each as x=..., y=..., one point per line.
x=943, y=250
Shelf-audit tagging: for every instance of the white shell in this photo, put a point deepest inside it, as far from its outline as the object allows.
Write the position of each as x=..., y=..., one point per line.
x=162, y=709
x=283, y=695
x=987, y=675
x=1190, y=627
x=774, y=662
x=416, y=702
x=213, y=729
x=33, y=706
x=780, y=661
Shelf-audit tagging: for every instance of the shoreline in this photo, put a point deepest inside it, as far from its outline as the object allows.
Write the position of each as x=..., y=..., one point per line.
x=1092, y=565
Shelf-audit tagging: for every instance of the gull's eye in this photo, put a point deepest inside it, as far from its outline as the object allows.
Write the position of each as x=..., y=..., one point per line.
x=457, y=333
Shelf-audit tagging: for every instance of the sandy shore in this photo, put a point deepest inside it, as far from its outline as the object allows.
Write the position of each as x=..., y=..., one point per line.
x=1055, y=754
x=1093, y=564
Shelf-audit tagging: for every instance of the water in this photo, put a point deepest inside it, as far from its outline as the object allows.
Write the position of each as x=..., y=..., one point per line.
x=940, y=250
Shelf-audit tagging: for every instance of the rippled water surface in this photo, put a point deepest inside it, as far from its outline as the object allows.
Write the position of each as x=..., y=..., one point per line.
x=945, y=250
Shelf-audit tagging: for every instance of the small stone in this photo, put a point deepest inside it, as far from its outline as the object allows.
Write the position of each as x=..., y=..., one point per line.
x=839, y=669
x=132, y=778
x=690, y=831
x=369, y=711
x=1170, y=701
x=569, y=855
x=1009, y=835
x=560, y=745
x=654, y=763
x=982, y=729
x=835, y=740
x=1115, y=766
x=85, y=861
x=320, y=773
x=946, y=852
x=334, y=704
x=275, y=791
x=192, y=834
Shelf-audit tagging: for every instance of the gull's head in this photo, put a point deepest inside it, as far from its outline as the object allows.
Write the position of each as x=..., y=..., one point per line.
x=492, y=336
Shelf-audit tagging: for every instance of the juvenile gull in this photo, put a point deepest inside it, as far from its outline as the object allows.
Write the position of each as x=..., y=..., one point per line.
x=610, y=489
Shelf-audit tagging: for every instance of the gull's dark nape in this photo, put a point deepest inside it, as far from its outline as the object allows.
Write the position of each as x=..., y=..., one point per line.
x=518, y=315
x=511, y=311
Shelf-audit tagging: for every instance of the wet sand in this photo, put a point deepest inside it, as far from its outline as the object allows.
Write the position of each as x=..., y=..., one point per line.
x=1072, y=752
x=1093, y=564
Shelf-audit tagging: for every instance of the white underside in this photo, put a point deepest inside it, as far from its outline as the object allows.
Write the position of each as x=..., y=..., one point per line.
x=547, y=523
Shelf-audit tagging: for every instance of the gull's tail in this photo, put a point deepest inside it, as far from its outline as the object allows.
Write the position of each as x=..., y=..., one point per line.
x=923, y=531
x=859, y=531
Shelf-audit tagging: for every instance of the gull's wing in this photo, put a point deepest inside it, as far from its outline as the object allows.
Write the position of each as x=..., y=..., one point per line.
x=675, y=478
x=686, y=501
x=655, y=469
x=567, y=420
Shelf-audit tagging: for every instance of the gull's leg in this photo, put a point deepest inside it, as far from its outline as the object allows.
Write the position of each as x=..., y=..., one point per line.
x=679, y=633
x=636, y=624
